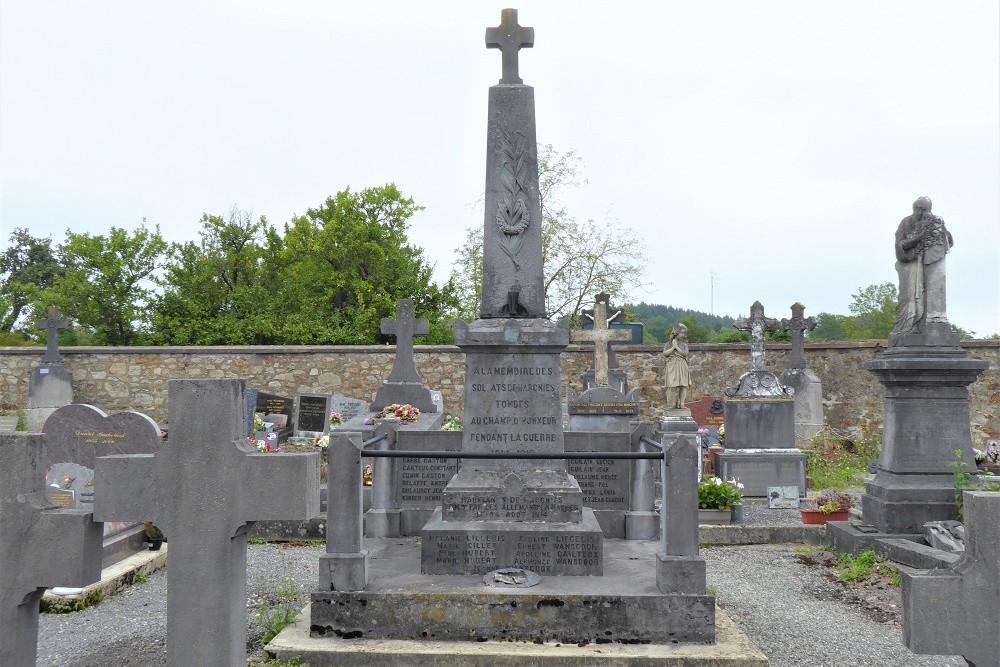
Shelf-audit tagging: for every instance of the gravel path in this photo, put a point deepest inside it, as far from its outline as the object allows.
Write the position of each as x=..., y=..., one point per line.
x=791, y=611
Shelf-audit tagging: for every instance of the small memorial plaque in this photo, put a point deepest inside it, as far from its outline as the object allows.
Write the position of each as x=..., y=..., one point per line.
x=348, y=407
x=8, y=424
x=313, y=413
x=707, y=411
x=616, y=408
x=783, y=497
x=65, y=498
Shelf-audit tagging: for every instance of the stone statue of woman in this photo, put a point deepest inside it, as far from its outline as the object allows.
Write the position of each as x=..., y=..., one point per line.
x=677, y=377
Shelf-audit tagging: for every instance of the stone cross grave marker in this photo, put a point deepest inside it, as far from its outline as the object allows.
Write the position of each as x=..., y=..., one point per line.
x=798, y=325
x=204, y=488
x=510, y=38
x=51, y=325
x=757, y=325
x=950, y=611
x=404, y=327
x=601, y=336
x=40, y=546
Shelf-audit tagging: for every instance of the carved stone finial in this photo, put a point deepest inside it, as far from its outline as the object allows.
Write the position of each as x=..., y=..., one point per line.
x=510, y=38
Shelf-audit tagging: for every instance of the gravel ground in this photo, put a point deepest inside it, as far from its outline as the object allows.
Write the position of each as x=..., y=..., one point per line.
x=793, y=612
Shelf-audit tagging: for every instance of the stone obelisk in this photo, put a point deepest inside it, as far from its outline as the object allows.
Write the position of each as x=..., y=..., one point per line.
x=516, y=512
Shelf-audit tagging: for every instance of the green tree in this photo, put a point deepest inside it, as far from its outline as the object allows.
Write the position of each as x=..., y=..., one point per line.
x=27, y=267
x=579, y=259
x=224, y=289
x=828, y=327
x=108, y=282
x=873, y=312
x=347, y=264
x=697, y=332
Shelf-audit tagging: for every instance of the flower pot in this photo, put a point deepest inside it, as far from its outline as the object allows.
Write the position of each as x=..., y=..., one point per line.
x=154, y=545
x=818, y=518
x=715, y=517
x=738, y=513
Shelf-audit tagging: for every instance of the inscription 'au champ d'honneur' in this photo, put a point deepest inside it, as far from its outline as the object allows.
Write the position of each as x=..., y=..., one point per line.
x=100, y=437
x=531, y=380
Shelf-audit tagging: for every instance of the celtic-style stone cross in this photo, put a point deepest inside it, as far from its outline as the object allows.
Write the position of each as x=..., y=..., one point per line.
x=510, y=38
x=601, y=336
x=798, y=325
x=51, y=325
x=757, y=325
x=404, y=328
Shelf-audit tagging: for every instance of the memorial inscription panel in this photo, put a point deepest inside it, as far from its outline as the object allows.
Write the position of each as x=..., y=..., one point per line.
x=560, y=551
x=313, y=413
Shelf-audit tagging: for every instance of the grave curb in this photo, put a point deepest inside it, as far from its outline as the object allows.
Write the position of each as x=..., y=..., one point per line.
x=732, y=648
x=114, y=578
x=720, y=536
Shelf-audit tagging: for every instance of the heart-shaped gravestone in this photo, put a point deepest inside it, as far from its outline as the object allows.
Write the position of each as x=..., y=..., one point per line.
x=80, y=433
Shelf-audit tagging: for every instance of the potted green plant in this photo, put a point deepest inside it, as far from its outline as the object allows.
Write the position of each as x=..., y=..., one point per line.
x=827, y=506
x=717, y=499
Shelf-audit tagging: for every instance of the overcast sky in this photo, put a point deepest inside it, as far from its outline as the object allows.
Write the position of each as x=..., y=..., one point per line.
x=774, y=144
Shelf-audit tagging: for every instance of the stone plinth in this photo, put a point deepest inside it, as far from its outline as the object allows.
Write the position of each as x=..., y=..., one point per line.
x=50, y=387
x=926, y=421
x=602, y=409
x=758, y=469
x=760, y=445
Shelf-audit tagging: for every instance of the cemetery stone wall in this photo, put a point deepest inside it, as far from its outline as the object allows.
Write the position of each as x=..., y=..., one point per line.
x=117, y=379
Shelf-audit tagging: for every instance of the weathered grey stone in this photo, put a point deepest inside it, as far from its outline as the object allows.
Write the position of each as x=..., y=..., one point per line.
x=344, y=566
x=203, y=488
x=926, y=420
x=510, y=38
x=642, y=522
x=350, y=408
x=679, y=568
x=922, y=242
x=760, y=422
x=954, y=611
x=601, y=336
x=605, y=484
x=41, y=546
x=617, y=377
x=677, y=374
x=403, y=384
x=945, y=535
x=382, y=520
x=806, y=384
x=51, y=326
x=312, y=414
x=759, y=469
x=419, y=482
x=757, y=382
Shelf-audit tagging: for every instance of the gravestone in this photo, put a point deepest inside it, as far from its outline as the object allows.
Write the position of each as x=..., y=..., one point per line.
x=403, y=384
x=279, y=410
x=8, y=424
x=602, y=407
x=75, y=435
x=419, y=482
x=51, y=383
x=41, y=546
x=204, y=488
x=808, y=396
x=312, y=415
x=606, y=484
x=760, y=421
x=925, y=375
x=514, y=512
x=617, y=378
x=954, y=611
x=349, y=408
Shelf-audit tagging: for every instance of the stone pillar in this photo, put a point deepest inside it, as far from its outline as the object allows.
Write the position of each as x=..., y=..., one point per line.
x=344, y=566
x=679, y=568
x=926, y=420
x=642, y=521
x=382, y=520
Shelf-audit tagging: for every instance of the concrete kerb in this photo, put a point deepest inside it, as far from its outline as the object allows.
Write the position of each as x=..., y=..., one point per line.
x=114, y=578
x=720, y=536
x=732, y=648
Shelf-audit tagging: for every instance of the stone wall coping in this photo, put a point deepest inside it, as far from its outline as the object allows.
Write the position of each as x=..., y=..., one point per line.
x=440, y=349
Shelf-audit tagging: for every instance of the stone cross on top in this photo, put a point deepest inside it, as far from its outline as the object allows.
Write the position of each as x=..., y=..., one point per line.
x=40, y=546
x=510, y=38
x=798, y=325
x=601, y=336
x=404, y=328
x=757, y=325
x=204, y=488
x=51, y=325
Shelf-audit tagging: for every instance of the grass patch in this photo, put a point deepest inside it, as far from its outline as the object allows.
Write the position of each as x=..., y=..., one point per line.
x=256, y=540
x=278, y=610
x=68, y=606
x=840, y=463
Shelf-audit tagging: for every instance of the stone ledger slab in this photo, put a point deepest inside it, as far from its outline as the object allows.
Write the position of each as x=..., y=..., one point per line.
x=477, y=547
x=759, y=469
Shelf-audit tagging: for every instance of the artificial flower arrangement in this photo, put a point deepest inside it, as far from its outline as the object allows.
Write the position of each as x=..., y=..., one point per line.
x=322, y=441
x=718, y=494
x=396, y=412
x=829, y=502
x=336, y=419
x=988, y=456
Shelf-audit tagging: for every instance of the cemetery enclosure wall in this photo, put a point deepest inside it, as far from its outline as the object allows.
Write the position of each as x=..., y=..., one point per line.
x=135, y=378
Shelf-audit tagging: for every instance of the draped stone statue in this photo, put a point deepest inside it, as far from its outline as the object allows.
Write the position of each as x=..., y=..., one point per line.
x=921, y=245
x=677, y=376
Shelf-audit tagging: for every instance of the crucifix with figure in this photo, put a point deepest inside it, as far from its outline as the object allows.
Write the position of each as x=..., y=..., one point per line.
x=601, y=336
x=510, y=38
x=51, y=326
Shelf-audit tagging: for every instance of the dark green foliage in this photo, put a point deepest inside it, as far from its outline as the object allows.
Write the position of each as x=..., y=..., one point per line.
x=27, y=267
x=659, y=320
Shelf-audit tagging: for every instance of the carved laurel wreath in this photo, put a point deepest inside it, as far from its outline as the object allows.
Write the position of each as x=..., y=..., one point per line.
x=512, y=216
